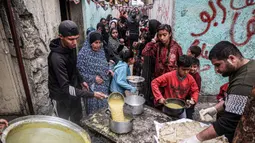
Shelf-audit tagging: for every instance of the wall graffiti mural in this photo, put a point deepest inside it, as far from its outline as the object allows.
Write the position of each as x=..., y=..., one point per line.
x=205, y=23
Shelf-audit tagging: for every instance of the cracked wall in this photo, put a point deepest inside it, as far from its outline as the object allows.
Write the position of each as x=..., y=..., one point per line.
x=36, y=23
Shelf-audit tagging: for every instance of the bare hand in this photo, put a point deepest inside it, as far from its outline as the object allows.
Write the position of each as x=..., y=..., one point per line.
x=111, y=73
x=162, y=101
x=122, y=41
x=3, y=123
x=99, y=95
x=85, y=86
x=99, y=80
x=135, y=44
x=191, y=102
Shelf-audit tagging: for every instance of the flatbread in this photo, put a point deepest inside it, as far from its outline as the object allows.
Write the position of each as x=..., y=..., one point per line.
x=176, y=132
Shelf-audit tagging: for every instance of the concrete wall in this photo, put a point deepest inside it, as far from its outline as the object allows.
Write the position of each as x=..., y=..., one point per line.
x=162, y=11
x=37, y=23
x=206, y=22
x=92, y=14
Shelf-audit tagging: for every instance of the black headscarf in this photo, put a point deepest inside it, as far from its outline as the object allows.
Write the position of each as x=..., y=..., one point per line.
x=153, y=26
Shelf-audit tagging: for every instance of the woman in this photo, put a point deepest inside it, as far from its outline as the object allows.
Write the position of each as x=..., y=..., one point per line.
x=115, y=46
x=93, y=67
x=164, y=49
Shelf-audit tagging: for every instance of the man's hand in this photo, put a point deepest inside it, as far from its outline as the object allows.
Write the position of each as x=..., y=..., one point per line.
x=85, y=86
x=99, y=95
x=192, y=139
x=204, y=113
x=99, y=80
x=3, y=123
x=162, y=101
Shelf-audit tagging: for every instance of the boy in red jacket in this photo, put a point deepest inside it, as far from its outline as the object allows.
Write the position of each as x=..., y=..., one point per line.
x=176, y=84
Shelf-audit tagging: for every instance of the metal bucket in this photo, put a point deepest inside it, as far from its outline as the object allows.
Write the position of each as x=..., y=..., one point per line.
x=135, y=103
x=46, y=127
x=136, y=81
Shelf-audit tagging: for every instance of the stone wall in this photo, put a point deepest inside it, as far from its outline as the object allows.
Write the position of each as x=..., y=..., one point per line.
x=37, y=22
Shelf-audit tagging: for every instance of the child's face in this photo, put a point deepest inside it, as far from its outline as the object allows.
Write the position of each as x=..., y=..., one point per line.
x=190, y=54
x=114, y=34
x=131, y=61
x=183, y=71
x=193, y=69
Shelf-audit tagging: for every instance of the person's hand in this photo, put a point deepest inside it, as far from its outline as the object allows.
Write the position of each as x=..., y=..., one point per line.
x=135, y=44
x=99, y=95
x=111, y=73
x=99, y=80
x=122, y=41
x=192, y=139
x=85, y=86
x=190, y=102
x=208, y=111
x=162, y=101
x=3, y=123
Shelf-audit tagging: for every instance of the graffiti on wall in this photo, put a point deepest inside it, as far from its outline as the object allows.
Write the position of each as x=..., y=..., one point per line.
x=205, y=23
x=161, y=11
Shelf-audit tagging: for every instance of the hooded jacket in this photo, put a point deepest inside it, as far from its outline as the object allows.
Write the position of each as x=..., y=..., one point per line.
x=64, y=79
x=119, y=82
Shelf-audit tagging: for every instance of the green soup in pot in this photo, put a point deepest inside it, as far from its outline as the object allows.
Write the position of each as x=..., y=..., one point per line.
x=44, y=133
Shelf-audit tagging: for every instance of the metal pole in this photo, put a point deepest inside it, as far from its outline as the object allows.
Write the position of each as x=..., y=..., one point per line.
x=19, y=56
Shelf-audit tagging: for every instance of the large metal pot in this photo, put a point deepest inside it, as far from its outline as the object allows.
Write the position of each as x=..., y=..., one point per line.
x=136, y=81
x=172, y=111
x=135, y=103
x=120, y=127
x=46, y=127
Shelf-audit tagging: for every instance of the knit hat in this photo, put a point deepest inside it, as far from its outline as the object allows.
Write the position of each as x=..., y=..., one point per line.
x=68, y=28
x=93, y=36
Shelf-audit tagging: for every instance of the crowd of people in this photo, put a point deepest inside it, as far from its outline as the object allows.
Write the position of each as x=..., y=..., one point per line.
x=103, y=63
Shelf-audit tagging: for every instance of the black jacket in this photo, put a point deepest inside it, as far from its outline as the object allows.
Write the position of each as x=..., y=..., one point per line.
x=64, y=78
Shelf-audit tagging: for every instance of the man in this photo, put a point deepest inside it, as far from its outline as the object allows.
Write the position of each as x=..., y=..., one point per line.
x=229, y=62
x=64, y=80
x=177, y=84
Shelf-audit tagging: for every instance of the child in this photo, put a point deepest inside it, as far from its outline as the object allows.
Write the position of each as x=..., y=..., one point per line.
x=194, y=51
x=194, y=73
x=164, y=49
x=121, y=71
x=177, y=84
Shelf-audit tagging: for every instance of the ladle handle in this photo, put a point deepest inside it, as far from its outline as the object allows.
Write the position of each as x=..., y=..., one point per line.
x=108, y=112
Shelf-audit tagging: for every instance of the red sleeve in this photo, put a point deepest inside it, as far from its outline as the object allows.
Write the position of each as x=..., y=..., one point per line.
x=160, y=81
x=223, y=89
x=194, y=89
x=149, y=49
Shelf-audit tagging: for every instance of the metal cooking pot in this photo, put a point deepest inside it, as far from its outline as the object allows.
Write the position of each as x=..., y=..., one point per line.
x=135, y=103
x=41, y=123
x=136, y=81
x=120, y=127
x=172, y=111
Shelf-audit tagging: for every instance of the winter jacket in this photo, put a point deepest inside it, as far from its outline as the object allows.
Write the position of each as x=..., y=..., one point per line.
x=64, y=79
x=119, y=82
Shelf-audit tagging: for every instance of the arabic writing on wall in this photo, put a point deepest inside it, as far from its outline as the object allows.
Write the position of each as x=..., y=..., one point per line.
x=205, y=23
